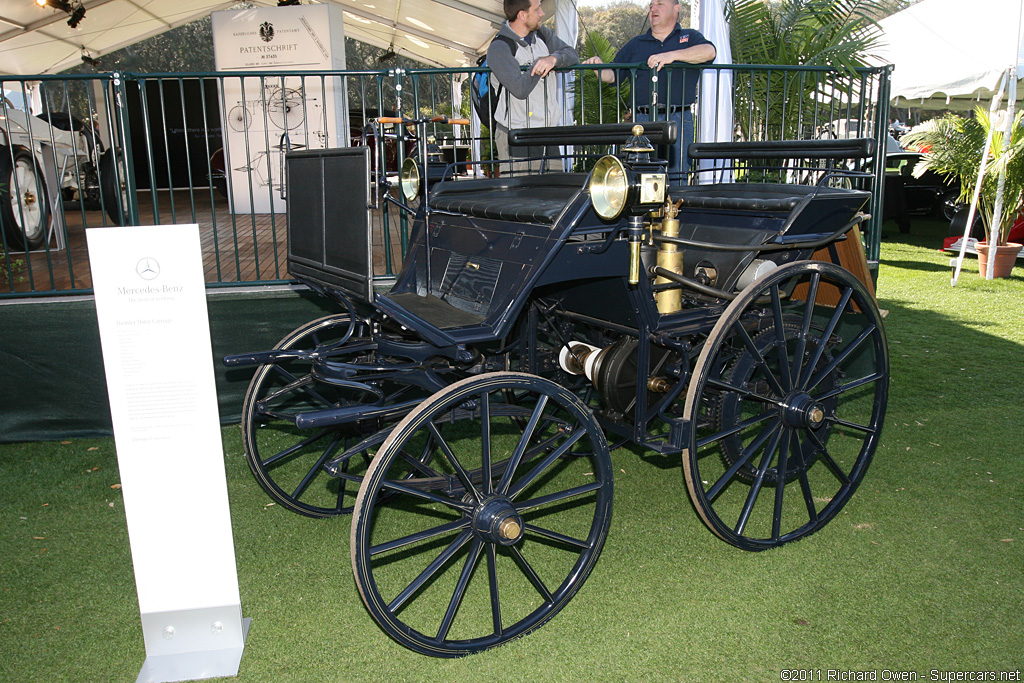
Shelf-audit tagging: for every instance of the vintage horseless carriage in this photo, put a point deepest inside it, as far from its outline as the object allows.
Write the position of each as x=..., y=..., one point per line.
x=461, y=417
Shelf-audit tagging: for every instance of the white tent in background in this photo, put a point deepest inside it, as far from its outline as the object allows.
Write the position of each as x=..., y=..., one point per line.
x=951, y=54
x=715, y=121
x=445, y=33
x=948, y=56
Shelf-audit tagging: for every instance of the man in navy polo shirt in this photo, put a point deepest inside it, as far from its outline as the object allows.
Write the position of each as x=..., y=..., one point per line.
x=665, y=42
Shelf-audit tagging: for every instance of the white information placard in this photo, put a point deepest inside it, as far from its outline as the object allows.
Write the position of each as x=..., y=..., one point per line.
x=157, y=356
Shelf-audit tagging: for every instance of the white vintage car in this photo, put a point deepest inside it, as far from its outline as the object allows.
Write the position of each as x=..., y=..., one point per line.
x=58, y=146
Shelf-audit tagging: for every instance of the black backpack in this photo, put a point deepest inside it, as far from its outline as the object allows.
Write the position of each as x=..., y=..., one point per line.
x=486, y=94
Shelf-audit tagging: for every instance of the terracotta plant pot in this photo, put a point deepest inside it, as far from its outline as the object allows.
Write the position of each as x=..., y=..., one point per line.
x=1006, y=257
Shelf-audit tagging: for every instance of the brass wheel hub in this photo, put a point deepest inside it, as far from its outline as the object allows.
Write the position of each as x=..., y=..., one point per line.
x=800, y=410
x=497, y=521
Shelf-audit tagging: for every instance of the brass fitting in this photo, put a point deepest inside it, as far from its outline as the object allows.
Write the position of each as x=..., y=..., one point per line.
x=669, y=258
x=658, y=385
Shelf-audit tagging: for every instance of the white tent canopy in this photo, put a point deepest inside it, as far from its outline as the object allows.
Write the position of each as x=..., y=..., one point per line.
x=951, y=53
x=38, y=40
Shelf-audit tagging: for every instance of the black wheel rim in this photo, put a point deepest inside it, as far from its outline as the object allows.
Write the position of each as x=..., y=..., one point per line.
x=498, y=534
x=786, y=406
x=289, y=462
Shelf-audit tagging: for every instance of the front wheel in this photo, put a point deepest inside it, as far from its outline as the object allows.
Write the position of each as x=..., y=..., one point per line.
x=24, y=203
x=479, y=519
x=786, y=405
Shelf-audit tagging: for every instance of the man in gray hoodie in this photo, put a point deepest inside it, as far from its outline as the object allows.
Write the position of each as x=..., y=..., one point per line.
x=522, y=41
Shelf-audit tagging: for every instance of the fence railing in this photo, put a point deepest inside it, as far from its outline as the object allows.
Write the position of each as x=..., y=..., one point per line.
x=80, y=152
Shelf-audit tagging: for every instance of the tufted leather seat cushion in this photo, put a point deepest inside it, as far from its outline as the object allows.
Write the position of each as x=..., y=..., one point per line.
x=522, y=199
x=760, y=197
x=752, y=203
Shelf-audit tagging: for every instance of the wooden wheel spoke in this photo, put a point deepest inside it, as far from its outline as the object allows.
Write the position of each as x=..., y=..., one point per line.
x=400, y=487
x=748, y=452
x=431, y=570
x=524, y=440
x=306, y=384
x=460, y=589
x=541, y=501
x=801, y=380
x=555, y=536
x=854, y=384
x=485, y=444
x=805, y=326
x=805, y=488
x=780, y=482
x=826, y=457
x=317, y=468
x=853, y=425
x=839, y=358
x=780, y=339
x=492, y=580
x=426, y=534
x=291, y=450
x=531, y=574
x=532, y=475
x=450, y=456
x=755, y=488
x=418, y=464
x=738, y=427
x=740, y=391
x=769, y=376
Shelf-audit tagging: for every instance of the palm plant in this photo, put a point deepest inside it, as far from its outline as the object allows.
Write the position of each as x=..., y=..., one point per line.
x=595, y=101
x=830, y=33
x=954, y=147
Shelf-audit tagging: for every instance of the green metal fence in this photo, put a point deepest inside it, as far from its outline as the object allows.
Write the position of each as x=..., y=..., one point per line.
x=113, y=149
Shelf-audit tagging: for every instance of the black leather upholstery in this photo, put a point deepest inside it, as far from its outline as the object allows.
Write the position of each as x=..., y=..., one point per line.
x=522, y=199
x=741, y=203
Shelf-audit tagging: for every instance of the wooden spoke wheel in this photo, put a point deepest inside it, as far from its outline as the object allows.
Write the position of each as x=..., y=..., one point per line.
x=290, y=462
x=502, y=528
x=786, y=405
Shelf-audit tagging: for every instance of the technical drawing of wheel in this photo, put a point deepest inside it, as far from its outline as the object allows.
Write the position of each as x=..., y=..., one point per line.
x=239, y=118
x=499, y=532
x=289, y=462
x=786, y=405
x=286, y=109
x=24, y=202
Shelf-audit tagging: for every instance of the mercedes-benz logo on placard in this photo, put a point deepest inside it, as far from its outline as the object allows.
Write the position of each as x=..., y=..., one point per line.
x=147, y=268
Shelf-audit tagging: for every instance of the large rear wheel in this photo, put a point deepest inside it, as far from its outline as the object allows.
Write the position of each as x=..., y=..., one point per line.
x=786, y=405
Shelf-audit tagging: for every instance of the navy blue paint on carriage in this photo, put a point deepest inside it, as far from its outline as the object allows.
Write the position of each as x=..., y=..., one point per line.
x=516, y=274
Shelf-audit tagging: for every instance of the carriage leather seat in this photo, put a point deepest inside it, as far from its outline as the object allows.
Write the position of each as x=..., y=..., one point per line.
x=522, y=199
x=743, y=197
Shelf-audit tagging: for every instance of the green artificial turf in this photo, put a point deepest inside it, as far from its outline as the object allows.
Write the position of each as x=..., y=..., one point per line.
x=923, y=570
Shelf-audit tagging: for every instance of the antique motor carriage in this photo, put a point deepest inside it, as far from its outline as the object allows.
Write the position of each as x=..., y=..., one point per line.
x=465, y=414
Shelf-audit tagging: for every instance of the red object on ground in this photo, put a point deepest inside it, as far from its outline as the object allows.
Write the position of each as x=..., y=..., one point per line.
x=1016, y=234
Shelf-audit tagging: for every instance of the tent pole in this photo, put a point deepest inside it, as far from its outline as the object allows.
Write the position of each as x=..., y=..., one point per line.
x=997, y=213
x=977, y=185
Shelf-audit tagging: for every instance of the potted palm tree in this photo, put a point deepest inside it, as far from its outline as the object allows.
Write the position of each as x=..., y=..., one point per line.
x=953, y=147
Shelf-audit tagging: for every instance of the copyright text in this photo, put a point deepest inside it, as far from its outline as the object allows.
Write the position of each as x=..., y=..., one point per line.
x=896, y=675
